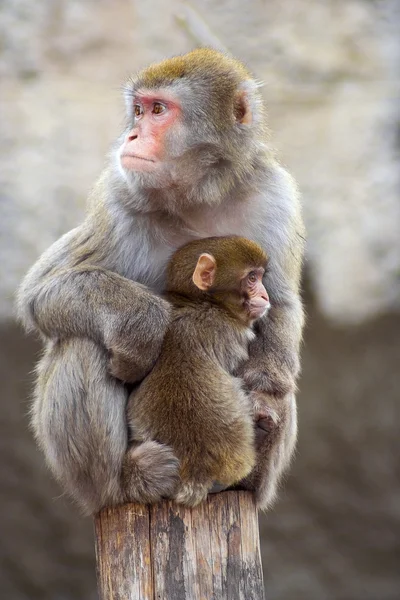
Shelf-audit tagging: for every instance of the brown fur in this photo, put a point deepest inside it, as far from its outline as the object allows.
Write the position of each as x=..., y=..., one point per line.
x=191, y=401
x=194, y=64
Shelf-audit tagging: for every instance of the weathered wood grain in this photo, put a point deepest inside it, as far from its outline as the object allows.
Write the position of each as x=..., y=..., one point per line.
x=123, y=553
x=169, y=552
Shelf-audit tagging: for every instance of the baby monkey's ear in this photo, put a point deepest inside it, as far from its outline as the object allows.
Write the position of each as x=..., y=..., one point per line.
x=204, y=273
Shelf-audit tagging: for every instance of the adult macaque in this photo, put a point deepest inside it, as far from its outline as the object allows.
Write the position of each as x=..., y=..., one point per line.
x=194, y=162
x=191, y=400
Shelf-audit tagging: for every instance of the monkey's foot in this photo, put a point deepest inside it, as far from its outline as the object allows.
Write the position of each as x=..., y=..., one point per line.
x=150, y=472
x=192, y=493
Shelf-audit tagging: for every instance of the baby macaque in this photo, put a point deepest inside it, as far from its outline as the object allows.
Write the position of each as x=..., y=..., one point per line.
x=192, y=401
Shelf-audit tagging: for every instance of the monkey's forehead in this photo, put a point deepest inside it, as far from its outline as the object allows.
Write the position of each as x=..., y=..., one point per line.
x=202, y=63
x=168, y=93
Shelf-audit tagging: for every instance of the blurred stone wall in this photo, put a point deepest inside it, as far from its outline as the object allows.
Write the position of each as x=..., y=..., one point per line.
x=331, y=74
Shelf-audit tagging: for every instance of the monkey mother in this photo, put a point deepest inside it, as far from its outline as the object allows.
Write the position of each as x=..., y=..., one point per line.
x=193, y=162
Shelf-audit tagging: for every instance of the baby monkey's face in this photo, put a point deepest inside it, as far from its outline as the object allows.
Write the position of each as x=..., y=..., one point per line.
x=255, y=296
x=237, y=287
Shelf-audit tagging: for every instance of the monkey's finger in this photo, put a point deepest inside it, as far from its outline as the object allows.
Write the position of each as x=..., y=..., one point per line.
x=266, y=430
x=266, y=423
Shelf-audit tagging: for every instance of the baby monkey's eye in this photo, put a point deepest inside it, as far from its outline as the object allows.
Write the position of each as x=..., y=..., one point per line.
x=158, y=108
x=252, y=277
x=138, y=110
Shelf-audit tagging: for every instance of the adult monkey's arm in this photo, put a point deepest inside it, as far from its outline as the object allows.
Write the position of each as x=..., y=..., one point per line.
x=271, y=372
x=68, y=293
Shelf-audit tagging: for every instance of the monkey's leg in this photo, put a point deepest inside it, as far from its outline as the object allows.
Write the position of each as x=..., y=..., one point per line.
x=276, y=434
x=80, y=423
x=78, y=419
x=221, y=467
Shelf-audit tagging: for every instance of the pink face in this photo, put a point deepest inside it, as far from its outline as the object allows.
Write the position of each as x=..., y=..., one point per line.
x=144, y=146
x=256, y=297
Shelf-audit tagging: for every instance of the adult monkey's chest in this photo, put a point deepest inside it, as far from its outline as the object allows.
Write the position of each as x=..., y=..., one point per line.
x=151, y=253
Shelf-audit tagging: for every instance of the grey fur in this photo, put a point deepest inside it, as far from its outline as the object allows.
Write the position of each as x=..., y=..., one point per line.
x=93, y=296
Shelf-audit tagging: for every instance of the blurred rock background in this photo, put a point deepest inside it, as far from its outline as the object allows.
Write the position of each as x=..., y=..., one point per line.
x=332, y=85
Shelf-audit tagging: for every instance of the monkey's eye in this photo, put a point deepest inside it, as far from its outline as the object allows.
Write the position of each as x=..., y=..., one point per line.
x=252, y=277
x=158, y=108
x=138, y=110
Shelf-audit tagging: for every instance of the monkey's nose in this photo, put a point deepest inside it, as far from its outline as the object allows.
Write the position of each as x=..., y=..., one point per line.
x=265, y=296
x=132, y=136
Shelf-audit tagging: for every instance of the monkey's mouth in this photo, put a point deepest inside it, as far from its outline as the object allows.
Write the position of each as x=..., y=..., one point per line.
x=133, y=163
x=136, y=157
x=258, y=309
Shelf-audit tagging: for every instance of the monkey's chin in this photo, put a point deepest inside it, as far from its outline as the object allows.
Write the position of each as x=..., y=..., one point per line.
x=137, y=164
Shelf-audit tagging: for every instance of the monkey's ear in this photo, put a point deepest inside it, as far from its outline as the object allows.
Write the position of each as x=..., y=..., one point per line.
x=248, y=103
x=204, y=273
x=243, y=112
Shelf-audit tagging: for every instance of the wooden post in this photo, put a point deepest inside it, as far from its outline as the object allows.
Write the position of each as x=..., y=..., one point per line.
x=169, y=552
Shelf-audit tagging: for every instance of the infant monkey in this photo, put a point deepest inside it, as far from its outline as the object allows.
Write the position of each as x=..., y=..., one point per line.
x=192, y=400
